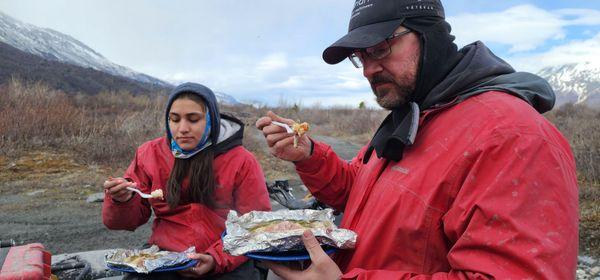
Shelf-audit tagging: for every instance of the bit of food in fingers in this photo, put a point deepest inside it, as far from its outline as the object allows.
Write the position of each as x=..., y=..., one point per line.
x=299, y=130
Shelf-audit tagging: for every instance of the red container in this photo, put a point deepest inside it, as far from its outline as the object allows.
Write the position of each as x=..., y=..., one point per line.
x=29, y=261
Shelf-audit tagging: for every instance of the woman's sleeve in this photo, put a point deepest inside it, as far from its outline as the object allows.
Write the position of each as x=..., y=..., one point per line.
x=133, y=213
x=249, y=194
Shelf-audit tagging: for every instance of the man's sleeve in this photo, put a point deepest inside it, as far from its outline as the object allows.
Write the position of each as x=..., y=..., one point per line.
x=328, y=177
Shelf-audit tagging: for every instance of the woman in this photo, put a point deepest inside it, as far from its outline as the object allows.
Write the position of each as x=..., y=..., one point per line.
x=203, y=171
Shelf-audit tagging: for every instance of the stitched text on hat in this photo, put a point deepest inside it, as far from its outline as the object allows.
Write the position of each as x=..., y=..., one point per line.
x=360, y=5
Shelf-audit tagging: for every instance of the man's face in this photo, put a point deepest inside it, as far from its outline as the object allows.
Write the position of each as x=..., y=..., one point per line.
x=393, y=78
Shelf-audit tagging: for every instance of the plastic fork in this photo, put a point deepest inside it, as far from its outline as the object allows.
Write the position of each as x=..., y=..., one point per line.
x=288, y=129
x=143, y=195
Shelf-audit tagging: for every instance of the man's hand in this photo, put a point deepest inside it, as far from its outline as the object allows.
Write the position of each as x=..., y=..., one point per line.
x=322, y=266
x=206, y=264
x=116, y=188
x=281, y=143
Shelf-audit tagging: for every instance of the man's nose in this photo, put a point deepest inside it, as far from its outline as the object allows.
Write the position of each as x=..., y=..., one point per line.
x=371, y=67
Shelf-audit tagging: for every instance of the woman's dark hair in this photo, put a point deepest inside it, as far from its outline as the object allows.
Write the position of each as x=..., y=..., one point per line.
x=199, y=170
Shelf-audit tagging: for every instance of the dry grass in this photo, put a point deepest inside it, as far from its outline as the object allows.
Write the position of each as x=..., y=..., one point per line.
x=102, y=129
x=48, y=135
x=580, y=125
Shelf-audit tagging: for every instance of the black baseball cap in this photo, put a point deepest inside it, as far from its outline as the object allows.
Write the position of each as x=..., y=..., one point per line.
x=373, y=21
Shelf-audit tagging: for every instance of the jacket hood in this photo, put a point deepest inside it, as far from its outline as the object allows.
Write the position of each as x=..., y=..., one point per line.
x=480, y=71
x=231, y=134
x=477, y=71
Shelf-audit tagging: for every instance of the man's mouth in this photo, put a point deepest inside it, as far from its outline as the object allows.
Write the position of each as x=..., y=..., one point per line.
x=380, y=84
x=382, y=88
x=380, y=80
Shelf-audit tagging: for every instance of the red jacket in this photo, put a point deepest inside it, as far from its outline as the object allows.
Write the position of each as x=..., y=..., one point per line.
x=240, y=186
x=488, y=191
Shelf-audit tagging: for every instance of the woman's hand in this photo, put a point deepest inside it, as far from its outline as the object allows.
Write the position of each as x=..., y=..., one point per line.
x=116, y=188
x=281, y=143
x=322, y=266
x=206, y=264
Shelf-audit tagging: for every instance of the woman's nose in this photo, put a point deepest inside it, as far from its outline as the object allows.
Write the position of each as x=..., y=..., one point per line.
x=184, y=126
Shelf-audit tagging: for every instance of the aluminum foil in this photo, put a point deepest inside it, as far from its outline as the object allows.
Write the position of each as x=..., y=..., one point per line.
x=153, y=258
x=243, y=237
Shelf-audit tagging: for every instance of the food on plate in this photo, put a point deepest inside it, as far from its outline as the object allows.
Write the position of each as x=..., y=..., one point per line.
x=281, y=231
x=138, y=260
x=282, y=226
x=146, y=260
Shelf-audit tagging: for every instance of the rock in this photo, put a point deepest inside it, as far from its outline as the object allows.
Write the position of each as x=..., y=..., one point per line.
x=589, y=261
x=96, y=197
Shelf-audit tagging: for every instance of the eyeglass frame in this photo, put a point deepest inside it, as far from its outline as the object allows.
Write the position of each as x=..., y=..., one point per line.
x=357, y=60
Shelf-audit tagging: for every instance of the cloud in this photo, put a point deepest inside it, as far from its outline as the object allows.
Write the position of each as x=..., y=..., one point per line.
x=580, y=16
x=267, y=79
x=276, y=61
x=522, y=27
x=576, y=51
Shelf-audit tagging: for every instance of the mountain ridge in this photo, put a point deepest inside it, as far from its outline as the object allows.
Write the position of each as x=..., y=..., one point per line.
x=577, y=83
x=69, y=78
x=53, y=45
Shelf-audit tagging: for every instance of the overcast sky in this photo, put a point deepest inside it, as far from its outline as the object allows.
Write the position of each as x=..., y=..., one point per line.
x=270, y=50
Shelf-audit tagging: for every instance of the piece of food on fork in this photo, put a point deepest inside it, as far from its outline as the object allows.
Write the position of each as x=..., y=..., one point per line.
x=157, y=194
x=299, y=130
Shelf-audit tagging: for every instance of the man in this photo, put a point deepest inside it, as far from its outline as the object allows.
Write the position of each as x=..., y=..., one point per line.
x=463, y=180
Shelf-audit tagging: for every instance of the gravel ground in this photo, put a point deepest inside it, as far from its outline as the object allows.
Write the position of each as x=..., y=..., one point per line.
x=63, y=227
x=588, y=268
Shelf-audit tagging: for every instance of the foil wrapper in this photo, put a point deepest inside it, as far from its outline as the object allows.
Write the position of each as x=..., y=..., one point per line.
x=244, y=234
x=147, y=260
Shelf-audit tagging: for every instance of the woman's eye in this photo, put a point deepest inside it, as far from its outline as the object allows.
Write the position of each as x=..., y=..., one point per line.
x=174, y=119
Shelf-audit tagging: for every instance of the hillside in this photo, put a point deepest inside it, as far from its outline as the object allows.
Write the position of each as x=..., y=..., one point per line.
x=56, y=46
x=65, y=77
x=577, y=83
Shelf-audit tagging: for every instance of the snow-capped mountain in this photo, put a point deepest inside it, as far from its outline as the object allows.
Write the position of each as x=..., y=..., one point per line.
x=577, y=83
x=57, y=46
x=226, y=99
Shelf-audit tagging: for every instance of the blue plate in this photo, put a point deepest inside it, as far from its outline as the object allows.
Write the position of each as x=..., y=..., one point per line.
x=300, y=255
x=162, y=269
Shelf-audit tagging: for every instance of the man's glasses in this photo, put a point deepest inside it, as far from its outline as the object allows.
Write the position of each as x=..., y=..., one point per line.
x=376, y=52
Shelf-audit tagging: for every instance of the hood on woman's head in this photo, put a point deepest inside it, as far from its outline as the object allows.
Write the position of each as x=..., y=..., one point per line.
x=211, y=104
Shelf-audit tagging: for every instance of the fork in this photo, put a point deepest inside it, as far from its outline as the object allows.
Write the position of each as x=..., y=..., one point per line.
x=143, y=195
x=288, y=129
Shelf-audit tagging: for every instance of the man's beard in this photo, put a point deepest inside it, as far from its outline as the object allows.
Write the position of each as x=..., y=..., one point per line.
x=397, y=90
x=394, y=94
